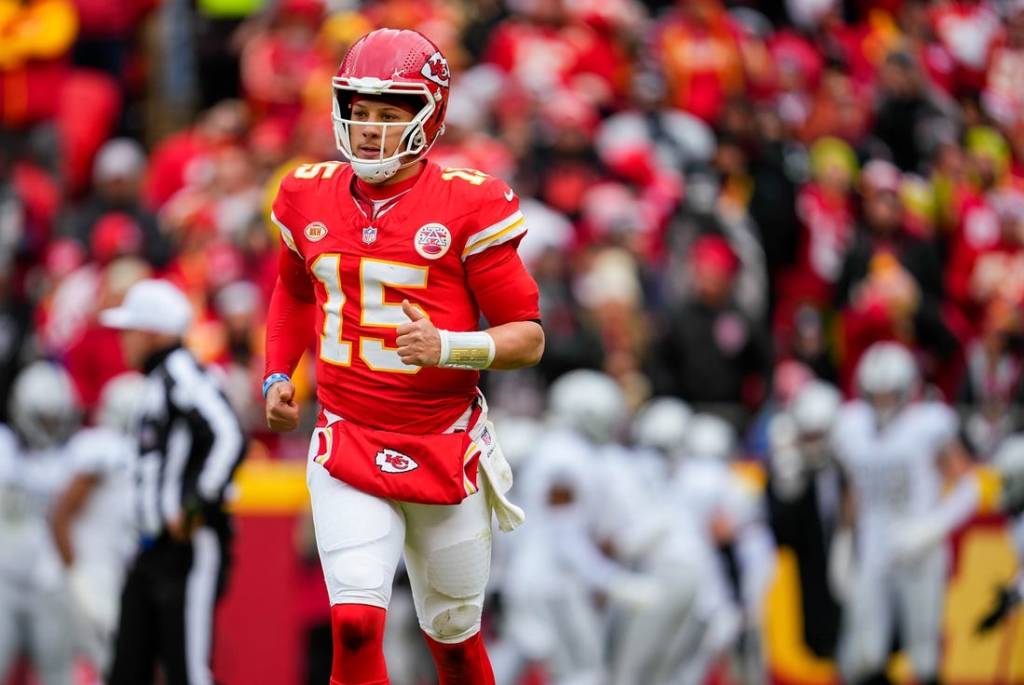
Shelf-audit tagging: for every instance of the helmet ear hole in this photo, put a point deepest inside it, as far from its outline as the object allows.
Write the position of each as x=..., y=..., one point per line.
x=343, y=102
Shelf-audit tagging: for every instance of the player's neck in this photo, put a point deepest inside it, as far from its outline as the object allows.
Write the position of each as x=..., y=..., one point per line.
x=403, y=180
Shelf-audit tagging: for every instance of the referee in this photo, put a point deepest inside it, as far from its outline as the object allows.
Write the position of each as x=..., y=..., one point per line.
x=190, y=443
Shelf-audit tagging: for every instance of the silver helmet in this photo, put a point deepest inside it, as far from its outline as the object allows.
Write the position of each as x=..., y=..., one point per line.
x=44, y=405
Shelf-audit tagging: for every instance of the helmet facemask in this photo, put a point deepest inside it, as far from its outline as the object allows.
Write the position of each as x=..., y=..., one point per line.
x=413, y=144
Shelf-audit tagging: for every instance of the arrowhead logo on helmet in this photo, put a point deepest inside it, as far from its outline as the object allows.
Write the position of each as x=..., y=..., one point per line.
x=436, y=69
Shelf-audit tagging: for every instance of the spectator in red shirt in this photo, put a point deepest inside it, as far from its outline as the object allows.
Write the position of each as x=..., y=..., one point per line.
x=826, y=229
x=1003, y=97
x=980, y=272
x=698, y=48
x=181, y=156
x=546, y=51
x=276, y=63
x=968, y=29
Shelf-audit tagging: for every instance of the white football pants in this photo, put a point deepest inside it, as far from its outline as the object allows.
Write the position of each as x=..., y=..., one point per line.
x=361, y=539
x=38, y=623
x=910, y=594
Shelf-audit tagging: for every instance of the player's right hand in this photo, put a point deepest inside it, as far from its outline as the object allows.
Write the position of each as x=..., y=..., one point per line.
x=282, y=410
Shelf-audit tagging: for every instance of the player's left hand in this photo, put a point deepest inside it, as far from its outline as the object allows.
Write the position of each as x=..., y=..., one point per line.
x=419, y=343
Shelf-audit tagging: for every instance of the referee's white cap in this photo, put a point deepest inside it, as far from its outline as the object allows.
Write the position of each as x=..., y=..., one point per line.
x=152, y=305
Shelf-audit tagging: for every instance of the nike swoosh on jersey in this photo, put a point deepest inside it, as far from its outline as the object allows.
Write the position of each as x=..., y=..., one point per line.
x=509, y=195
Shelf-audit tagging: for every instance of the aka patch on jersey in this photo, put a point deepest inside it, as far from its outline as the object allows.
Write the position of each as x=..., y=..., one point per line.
x=315, y=231
x=432, y=241
x=393, y=461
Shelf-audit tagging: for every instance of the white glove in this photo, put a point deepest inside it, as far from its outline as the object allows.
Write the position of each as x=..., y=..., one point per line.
x=788, y=479
x=722, y=631
x=840, y=564
x=98, y=608
x=636, y=591
x=911, y=541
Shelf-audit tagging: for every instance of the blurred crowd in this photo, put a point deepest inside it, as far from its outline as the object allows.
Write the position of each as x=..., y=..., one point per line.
x=726, y=200
x=722, y=196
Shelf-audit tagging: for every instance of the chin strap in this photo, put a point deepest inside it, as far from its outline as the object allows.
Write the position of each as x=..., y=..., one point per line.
x=373, y=171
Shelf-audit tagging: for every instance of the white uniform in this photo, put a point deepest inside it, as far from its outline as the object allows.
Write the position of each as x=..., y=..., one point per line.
x=707, y=488
x=35, y=613
x=895, y=480
x=555, y=566
x=103, y=535
x=675, y=639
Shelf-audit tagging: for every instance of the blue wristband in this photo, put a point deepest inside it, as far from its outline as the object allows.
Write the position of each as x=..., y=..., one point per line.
x=274, y=378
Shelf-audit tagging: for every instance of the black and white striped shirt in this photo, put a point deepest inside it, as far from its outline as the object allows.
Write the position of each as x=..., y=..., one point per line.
x=190, y=443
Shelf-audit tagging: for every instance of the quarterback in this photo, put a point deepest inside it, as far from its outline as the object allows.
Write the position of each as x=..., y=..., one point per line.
x=390, y=262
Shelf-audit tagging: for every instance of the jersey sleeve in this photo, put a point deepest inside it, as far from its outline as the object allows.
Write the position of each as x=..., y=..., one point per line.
x=496, y=219
x=89, y=452
x=849, y=417
x=944, y=423
x=290, y=316
x=502, y=286
x=285, y=213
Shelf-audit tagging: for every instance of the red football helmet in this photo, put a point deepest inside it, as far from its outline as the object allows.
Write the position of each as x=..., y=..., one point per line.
x=392, y=62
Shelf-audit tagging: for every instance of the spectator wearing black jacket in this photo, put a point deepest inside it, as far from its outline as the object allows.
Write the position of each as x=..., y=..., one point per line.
x=117, y=175
x=909, y=119
x=711, y=352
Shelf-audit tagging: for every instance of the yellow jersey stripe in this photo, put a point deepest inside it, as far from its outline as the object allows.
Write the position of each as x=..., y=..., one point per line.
x=484, y=242
x=286, y=234
x=496, y=227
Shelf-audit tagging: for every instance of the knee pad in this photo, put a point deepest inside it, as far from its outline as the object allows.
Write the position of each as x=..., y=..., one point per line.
x=457, y=577
x=450, y=622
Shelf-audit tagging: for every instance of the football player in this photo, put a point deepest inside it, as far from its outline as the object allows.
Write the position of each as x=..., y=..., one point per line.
x=731, y=514
x=576, y=484
x=890, y=446
x=678, y=638
x=93, y=518
x=35, y=610
x=996, y=487
x=389, y=263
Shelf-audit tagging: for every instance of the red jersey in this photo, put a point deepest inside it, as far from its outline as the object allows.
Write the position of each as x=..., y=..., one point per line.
x=442, y=244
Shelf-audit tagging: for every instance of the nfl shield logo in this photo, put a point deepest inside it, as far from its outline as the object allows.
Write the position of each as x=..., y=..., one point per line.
x=370, y=235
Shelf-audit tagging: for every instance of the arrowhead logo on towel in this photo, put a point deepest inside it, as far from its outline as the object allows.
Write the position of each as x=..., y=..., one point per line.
x=392, y=461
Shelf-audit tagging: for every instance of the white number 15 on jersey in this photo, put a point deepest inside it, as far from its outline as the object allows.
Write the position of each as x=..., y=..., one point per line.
x=375, y=312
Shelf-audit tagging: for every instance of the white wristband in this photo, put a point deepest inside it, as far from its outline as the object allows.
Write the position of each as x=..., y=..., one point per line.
x=466, y=350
